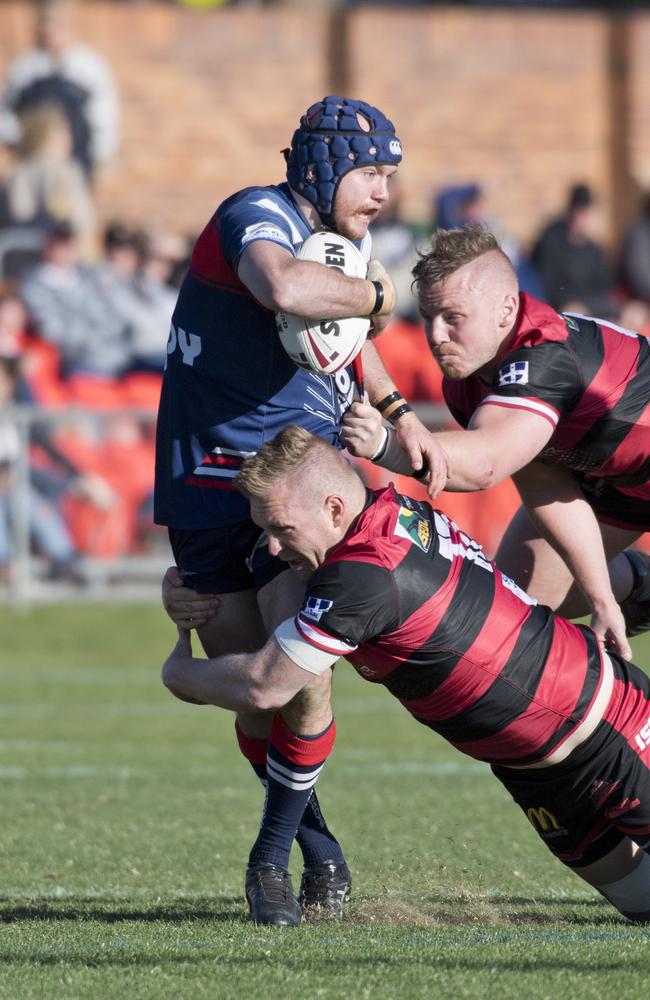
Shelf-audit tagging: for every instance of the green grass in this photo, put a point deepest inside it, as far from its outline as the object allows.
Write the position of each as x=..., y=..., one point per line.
x=127, y=818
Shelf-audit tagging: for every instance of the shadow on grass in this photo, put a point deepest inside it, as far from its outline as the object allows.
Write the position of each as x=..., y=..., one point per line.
x=220, y=910
x=490, y=913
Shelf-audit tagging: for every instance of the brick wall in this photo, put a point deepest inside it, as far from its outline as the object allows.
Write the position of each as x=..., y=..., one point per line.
x=519, y=101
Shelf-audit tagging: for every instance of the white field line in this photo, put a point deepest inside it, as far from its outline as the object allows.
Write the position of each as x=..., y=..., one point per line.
x=43, y=709
x=88, y=674
x=73, y=772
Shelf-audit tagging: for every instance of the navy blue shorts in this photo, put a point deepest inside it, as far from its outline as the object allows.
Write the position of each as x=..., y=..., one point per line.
x=224, y=560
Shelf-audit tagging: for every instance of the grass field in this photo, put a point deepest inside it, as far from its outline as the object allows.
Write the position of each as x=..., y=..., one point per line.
x=128, y=816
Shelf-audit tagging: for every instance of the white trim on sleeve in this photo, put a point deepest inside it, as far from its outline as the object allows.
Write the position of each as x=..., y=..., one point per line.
x=524, y=403
x=311, y=658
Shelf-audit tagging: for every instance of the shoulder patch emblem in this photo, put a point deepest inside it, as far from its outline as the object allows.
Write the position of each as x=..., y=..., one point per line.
x=410, y=525
x=315, y=608
x=515, y=372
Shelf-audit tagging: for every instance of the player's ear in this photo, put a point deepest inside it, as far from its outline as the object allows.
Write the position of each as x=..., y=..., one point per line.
x=335, y=509
x=509, y=309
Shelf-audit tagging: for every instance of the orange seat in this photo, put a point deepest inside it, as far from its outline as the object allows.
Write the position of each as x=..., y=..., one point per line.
x=95, y=391
x=142, y=389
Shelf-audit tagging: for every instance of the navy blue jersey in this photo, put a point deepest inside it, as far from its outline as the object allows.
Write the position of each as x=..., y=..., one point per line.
x=229, y=385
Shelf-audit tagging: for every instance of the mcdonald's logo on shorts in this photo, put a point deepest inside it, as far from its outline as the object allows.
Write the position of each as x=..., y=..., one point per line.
x=544, y=821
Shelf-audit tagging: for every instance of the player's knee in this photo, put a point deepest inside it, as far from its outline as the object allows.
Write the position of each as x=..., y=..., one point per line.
x=318, y=693
x=631, y=894
x=310, y=710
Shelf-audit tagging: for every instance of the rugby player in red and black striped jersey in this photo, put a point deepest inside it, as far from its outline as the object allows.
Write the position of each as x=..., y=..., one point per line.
x=561, y=403
x=415, y=605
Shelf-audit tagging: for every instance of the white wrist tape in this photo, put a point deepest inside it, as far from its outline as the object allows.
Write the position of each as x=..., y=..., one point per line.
x=392, y=456
x=379, y=453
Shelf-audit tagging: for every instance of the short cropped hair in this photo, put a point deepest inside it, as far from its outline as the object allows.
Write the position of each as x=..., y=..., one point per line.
x=451, y=249
x=276, y=459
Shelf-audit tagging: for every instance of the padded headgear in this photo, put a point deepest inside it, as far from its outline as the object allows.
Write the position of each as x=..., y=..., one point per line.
x=337, y=135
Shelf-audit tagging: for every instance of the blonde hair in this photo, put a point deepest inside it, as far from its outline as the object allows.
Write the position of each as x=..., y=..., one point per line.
x=293, y=447
x=39, y=125
x=451, y=249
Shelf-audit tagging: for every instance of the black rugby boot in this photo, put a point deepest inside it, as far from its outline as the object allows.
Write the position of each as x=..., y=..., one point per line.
x=326, y=885
x=269, y=892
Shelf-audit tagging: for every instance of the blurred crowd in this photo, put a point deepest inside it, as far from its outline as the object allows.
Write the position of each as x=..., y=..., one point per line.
x=84, y=315
x=85, y=311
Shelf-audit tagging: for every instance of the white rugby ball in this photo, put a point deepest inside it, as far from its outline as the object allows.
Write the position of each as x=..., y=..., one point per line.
x=326, y=345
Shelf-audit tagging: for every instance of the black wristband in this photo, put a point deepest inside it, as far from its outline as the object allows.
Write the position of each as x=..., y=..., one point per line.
x=379, y=297
x=384, y=403
x=399, y=412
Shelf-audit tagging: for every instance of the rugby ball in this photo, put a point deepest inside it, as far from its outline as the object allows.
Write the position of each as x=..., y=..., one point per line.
x=326, y=345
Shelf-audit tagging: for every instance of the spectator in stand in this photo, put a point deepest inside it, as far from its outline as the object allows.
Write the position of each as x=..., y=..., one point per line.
x=635, y=255
x=571, y=263
x=50, y=479
x=117, y=270
x=66, y=72
x=157, y=295
x=463, y=205
x=46, y=184
x=395, y=243
x=134, y=275
x=71, y=307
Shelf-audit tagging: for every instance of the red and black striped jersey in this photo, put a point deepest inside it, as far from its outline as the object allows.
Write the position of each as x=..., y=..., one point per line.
x=588, y=378
x=414, y=604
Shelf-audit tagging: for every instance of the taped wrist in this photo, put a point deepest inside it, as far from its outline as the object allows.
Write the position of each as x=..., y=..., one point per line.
x=393, y=456
x=379, y=453
x=392, y=407
x=381, y=299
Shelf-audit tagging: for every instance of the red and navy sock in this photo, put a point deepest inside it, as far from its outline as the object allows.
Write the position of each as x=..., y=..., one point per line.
x=314, y=838
x=293, y=764
x=254, y=750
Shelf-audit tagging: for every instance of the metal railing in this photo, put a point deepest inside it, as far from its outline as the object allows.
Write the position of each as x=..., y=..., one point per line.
x=132, y=576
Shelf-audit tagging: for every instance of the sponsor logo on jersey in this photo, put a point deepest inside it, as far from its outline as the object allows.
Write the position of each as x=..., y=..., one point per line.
x=315, y=608
x=366, y=671
x=265, y=231
x=514, y=373
x=642, y=738
x=516, y=590
x=416, y=529
x=545, y=822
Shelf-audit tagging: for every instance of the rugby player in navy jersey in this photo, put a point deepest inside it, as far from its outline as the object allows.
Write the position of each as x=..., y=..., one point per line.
x=228, y=387
x=559, y=402
x=414, y=604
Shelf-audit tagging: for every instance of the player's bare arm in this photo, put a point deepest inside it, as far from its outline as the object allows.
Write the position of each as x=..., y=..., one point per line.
x=498, y=442
x=280, y=281
x=556, y=504
x=243, y=682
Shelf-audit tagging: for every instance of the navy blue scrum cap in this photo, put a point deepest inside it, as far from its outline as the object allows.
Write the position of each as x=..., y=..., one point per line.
x=336, y=135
